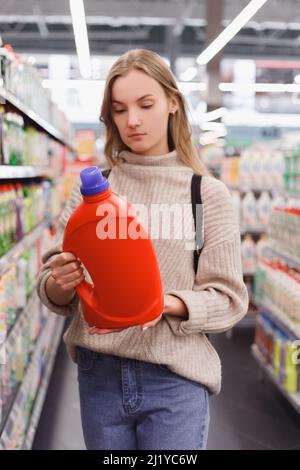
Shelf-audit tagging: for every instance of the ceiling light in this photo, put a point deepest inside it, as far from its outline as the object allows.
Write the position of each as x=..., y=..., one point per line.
x=213, y=115
x=189, y=74
x=213, y=126
x=228, y=33
x=81, y=37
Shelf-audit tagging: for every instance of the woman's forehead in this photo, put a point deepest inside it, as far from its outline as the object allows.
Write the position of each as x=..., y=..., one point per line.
x=134, y=86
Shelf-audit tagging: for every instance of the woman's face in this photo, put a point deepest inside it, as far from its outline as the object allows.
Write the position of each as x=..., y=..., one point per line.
x=141, y=111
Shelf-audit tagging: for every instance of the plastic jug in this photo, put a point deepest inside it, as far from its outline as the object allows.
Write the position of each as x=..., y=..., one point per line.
x=105, y=233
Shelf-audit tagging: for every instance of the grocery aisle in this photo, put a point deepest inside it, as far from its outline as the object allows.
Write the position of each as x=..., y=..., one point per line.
x=245, y=122
x=247, y=415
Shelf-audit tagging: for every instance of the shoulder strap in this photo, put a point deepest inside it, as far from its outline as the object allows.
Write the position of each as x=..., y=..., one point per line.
x=106, y=172
x=196, y=199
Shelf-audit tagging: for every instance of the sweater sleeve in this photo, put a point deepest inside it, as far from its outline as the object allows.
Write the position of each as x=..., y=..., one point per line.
x=73, y=201
x=219, y=298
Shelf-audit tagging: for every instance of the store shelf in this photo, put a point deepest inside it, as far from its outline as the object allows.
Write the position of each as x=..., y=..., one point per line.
x=9, y=172
x=291, y=195
x=30, y=114
x=284, y=193
x=42, y=386
x=11, y=403
x=291, y=260
x=252, y=230
x=293, y=398
x=39, y=401
x=21, y=310
x=11, y=256
x=283, y=320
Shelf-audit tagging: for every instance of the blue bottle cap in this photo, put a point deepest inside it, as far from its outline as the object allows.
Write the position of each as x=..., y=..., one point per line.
x=93, y=182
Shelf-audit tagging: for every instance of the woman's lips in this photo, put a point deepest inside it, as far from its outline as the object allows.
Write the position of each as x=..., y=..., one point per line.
x=137, y=136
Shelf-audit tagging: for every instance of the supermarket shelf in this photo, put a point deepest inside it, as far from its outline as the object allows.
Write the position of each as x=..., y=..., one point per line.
x=10, y=405
x=40, y=398
x=18, y=171
x=285, y=322
x=21, y=310
x=291, y=195
x=252, y=230
x=27, y=372
x=10, y=257
x=291, y=260
x=283, y=193
x=16, y=103
x=293, y=398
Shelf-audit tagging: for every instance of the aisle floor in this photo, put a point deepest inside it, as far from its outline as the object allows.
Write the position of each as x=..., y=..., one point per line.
x=248, y=414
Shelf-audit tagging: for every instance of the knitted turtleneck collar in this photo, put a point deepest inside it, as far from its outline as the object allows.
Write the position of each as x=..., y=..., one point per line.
x=168, y=159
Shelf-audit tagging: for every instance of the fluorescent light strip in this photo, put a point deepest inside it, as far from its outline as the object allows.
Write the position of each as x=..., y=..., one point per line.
x=213, y=126
x=189, y=74
x=215, y=114
x=228, y=33
x=81, y=37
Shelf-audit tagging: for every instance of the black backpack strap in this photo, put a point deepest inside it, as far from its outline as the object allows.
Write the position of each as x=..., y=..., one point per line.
x=196, y=199
x=106, y=172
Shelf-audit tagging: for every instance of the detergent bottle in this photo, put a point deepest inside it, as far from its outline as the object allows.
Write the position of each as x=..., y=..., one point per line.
x=107, y=236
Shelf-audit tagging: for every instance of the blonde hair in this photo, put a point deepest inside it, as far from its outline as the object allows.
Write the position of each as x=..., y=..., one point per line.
x=179, y=129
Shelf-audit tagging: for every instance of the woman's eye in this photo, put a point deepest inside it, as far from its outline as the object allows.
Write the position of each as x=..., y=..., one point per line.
x=147, y=106
x=119, y=111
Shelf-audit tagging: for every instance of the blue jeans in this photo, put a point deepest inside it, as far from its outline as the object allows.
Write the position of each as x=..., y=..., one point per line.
x=134, y=405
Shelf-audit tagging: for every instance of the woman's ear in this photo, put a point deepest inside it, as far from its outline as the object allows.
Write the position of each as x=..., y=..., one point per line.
x=173, y=105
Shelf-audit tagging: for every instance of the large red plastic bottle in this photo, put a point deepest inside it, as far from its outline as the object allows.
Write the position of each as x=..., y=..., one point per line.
x=105, y=233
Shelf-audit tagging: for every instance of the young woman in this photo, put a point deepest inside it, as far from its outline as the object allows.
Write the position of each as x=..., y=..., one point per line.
x=147, y=387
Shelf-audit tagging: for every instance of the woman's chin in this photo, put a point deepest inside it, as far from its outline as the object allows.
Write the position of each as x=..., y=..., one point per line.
x=139, y=147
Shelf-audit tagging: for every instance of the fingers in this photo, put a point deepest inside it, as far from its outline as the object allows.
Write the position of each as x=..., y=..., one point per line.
x=103, y=331
x=66, y=270
x=69, y=285
x=62, y=259
x=60, y=275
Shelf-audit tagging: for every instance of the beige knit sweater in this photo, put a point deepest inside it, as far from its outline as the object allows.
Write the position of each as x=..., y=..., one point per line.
x=216, y=298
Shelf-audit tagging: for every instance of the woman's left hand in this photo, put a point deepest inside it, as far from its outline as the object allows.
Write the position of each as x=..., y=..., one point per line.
x=172, y=306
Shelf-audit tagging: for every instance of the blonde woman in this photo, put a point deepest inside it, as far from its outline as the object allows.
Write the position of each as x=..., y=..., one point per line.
x=147, y=387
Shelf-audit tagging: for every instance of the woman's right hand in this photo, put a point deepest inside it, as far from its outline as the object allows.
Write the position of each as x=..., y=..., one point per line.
x=67, y=271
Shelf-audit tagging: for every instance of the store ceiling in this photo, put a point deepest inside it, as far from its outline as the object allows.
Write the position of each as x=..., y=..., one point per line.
x=115, y=26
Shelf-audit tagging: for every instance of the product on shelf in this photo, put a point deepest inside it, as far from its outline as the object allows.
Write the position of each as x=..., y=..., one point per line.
x=12, y=138
x=24, y=206
x=264, y=206
x=279, y=285
x=266, y=166
x=278, y=350
x=284, y=228
x=248, y=255
x=28, y=146
x=24, y=82
x=292, y=170
x=230, y=171
x=21, y=319
x=249, y=210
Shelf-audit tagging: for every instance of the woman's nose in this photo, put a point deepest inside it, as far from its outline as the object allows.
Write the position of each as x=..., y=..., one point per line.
x=133, y=119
